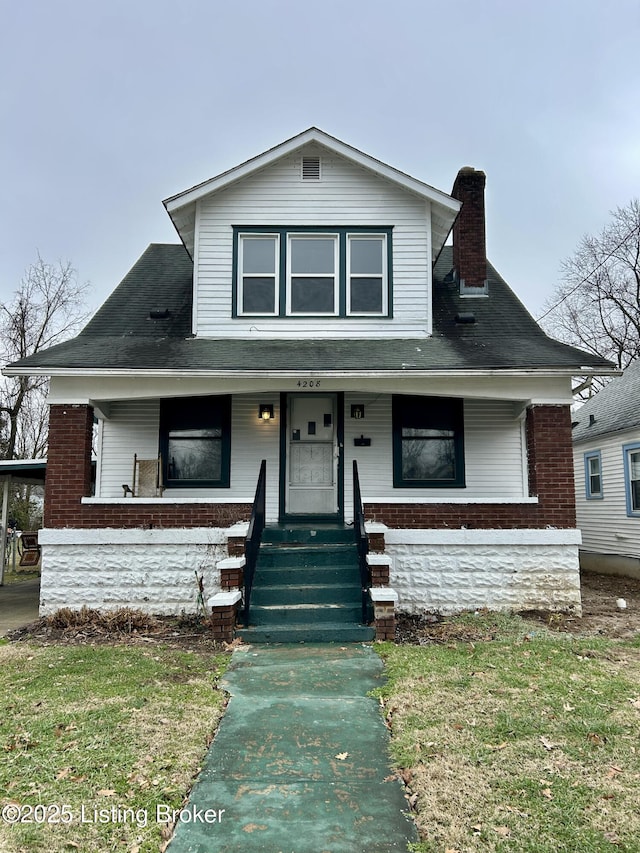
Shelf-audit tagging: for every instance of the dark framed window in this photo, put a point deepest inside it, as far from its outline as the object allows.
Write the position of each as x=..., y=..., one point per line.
x=195, y=441
x=312, y=271
x=428, y=442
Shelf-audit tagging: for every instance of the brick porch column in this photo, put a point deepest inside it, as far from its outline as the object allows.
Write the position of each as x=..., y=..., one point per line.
x=68, y=463
x=550, y=454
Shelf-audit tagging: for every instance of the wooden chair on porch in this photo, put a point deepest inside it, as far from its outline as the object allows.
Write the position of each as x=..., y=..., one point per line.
x=147, y=478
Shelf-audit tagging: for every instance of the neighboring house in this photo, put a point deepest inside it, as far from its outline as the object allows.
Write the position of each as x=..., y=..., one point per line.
x=606, y=450
x=313, y=317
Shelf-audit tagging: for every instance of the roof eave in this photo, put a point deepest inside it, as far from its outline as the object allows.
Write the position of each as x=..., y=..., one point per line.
x=313, y=134
x=287, y=374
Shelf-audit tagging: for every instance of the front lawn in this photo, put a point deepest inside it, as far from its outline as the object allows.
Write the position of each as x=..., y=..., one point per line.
x=101, y=742
x=527, y=742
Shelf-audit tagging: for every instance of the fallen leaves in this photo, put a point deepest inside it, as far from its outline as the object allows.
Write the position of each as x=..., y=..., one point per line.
x=342, y=756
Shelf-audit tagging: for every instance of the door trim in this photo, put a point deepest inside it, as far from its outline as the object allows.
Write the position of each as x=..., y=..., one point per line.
x=283, y=516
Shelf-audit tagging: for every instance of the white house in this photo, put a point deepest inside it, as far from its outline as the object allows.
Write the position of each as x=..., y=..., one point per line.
x=606, y=449
x=312, y=316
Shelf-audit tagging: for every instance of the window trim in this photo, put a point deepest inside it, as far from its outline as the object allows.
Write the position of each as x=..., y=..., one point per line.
x=451, y=409
x=290, y=275
x=627, y=451
x=193, y=410
x=588, y=493
x=241, y=275
x=384, y=274
x=282, y=296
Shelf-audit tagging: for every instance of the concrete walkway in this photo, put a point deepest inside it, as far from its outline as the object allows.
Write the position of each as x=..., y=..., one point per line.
x=18, y=604
x=300, y=762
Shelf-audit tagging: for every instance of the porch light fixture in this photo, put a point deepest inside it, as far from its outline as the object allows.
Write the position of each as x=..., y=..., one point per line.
x=265, y=412
x=357, y=411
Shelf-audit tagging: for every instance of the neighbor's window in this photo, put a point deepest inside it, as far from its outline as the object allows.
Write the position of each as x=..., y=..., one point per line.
x=308, y=271
x=593, y=475
x=631, y=454
x=428, y=442
x=195, y=440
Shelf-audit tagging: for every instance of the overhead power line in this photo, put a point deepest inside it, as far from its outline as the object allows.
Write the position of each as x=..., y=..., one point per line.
x=588, y=276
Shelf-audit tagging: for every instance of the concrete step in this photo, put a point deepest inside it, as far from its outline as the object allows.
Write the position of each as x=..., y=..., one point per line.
x=307, y=555
x=312, y=593
x=304, y=614
x=339, y=575
x=319, y=632
x=306, y=535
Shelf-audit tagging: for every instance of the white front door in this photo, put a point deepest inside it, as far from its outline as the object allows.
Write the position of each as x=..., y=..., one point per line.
x=312, y=455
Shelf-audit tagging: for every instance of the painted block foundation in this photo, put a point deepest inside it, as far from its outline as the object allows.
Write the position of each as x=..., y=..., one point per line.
x=448, y=571
x=150, y=570
x=443, y=571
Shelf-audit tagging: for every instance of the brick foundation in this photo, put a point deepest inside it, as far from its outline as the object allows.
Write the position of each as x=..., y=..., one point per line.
x=231, y=579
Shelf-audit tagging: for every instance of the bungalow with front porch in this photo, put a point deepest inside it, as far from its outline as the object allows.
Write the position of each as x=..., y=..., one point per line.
x=313, y=318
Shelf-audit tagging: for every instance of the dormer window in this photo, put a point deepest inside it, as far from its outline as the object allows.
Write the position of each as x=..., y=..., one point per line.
x=312, y=272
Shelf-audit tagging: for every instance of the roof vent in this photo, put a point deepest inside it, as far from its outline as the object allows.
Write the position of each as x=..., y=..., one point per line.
x=465, y=317
x=592, y=420
x=310, y=168
x=159, y=314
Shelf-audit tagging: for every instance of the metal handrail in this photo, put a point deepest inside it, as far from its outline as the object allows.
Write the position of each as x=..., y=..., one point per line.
x=362, y=542
x=254, y=537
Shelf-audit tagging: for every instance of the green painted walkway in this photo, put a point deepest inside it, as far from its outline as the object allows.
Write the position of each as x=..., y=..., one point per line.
x=300, y=761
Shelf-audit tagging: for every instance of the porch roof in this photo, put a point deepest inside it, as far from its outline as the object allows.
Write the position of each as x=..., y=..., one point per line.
x=146, y=325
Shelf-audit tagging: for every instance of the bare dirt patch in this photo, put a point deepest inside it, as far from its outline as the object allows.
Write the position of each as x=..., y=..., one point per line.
x=601, y=616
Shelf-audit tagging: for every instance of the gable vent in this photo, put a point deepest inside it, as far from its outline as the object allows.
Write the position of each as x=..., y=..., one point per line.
x=310, y=168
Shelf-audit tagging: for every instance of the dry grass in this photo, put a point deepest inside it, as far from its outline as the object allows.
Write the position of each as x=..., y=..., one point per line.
x=526, y=744
x=102, y=726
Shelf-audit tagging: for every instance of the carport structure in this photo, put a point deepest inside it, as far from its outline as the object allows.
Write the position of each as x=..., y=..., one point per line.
x=24, y=471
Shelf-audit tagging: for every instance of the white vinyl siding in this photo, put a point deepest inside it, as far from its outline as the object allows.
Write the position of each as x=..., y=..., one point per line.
x=494, y=452
x=133, y=427
x=493, y=446
x=346, y=196
x=606, y=527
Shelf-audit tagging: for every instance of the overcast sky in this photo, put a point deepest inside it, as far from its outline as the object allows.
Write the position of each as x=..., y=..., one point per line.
x=109, y=107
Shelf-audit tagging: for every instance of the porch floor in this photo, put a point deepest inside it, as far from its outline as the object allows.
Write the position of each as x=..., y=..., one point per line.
x=300, y=762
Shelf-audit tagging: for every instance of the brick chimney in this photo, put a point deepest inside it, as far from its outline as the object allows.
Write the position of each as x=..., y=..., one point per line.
x=469, y=241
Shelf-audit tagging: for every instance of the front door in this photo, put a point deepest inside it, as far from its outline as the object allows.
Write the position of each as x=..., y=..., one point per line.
x=312, y=455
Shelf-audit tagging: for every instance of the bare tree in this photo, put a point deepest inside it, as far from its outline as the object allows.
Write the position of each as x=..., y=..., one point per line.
x=48, y=307
x=597, y=305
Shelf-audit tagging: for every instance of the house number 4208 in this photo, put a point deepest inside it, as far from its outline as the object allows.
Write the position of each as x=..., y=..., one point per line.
x=308, y=383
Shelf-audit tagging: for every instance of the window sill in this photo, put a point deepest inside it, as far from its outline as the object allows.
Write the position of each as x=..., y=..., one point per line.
x=169, y=499
x=444, y=499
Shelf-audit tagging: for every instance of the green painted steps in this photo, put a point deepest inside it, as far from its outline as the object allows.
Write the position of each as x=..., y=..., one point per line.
x=305, y=535
x=305, y=593
x=306, y=588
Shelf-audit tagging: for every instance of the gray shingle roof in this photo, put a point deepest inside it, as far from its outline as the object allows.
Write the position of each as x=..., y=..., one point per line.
x=123, y=336
x=615, y=408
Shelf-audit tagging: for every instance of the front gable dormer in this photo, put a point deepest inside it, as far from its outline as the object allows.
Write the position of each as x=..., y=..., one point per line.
x=312, y=238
